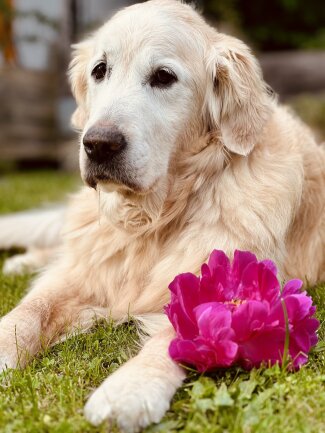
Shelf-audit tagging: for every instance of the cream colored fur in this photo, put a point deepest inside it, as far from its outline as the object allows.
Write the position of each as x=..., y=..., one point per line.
x=229, y=168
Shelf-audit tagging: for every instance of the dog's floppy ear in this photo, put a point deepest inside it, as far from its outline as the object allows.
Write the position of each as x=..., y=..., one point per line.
x=237, y=99
x=78, y=80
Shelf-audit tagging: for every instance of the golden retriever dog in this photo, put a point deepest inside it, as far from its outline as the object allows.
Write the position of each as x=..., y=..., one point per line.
x=183, y=150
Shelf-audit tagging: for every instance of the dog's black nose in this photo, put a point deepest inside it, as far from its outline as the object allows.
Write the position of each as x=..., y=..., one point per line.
x=103, y=142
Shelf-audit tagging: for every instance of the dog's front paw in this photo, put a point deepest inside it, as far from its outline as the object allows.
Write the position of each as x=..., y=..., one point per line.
x=132, y=397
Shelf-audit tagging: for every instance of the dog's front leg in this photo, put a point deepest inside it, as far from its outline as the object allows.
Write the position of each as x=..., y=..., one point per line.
x=49, y=310
x=138, y=393
x=20, y=333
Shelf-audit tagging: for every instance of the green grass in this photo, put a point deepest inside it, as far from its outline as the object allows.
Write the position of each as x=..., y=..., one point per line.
x=26, y=190
x=48, y=396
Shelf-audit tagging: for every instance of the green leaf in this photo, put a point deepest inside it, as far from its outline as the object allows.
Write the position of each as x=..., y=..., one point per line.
x=247, y=388
x=222, y=397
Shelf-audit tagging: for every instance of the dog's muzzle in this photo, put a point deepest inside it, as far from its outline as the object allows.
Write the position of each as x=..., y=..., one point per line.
x=105, y=146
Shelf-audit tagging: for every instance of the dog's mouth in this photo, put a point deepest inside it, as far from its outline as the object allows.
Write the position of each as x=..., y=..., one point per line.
x=111, y=178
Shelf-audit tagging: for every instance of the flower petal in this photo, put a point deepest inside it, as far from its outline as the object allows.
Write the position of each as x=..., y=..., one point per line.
x=183, y=325
x=249, y=318
x=218, y=258
x=203, y=356
x=265, y=346
x=241, y=260
x=259, y=283
x=292, y=287
x=298, y=307
x=271, y=266
x=211, y=317
x=185, y=288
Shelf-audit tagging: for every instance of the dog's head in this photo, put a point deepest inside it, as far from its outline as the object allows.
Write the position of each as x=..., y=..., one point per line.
x=154, y=79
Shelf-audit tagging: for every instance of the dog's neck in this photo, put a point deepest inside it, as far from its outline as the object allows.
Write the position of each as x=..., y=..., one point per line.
x=187, y=175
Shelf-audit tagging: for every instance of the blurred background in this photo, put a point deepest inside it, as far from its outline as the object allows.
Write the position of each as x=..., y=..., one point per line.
x=288, y=36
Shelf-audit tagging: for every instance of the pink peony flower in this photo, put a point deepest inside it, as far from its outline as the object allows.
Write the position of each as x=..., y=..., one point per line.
x=236, y=313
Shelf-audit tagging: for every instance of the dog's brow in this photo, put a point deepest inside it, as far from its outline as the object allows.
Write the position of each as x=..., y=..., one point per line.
x=107, y=51
x=157, y=60
x=99, y=57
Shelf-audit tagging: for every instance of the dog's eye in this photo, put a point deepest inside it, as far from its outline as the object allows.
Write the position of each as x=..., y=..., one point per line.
x=99, y=71
x=163, y=78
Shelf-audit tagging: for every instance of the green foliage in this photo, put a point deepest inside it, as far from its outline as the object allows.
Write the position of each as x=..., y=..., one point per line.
x=276, y=24
x=48, y=396
x=26, y=190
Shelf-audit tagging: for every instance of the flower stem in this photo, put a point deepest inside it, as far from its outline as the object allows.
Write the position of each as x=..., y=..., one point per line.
x=287, y=335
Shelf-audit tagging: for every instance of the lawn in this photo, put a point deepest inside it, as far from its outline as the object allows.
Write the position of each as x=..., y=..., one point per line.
x=48, y=396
